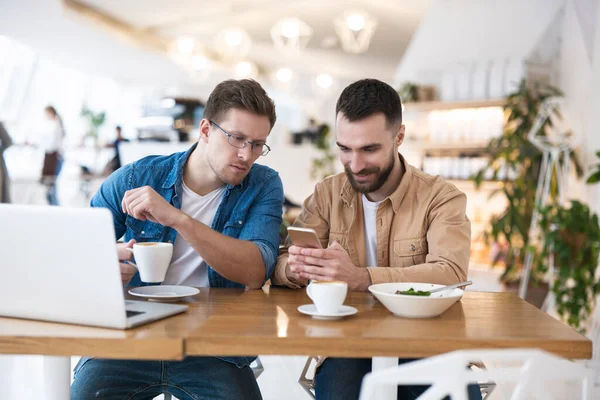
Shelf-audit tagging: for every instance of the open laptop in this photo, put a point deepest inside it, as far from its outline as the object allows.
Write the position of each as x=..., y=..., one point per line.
x=60, y=264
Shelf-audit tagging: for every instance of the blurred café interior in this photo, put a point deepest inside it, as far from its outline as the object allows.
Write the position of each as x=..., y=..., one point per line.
x=500, y=98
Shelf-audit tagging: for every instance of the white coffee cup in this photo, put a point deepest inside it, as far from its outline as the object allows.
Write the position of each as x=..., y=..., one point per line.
x=152, y=260
x=328, y=296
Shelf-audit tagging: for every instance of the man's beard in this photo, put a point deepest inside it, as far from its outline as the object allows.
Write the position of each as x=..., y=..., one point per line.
x=381, y=177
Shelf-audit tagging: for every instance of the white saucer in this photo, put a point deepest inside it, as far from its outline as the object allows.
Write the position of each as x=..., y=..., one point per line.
x=311, y=309
x=164, y=292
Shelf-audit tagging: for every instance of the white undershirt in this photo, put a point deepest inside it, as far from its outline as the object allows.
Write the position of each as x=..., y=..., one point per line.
x=370, y=215
x=52, y=136
x=187, y=267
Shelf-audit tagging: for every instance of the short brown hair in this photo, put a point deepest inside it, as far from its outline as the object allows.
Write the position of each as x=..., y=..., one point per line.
x=368, y=97
x=243, y=94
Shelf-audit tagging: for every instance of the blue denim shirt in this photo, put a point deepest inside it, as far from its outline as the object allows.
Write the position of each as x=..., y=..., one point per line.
x=249, y=211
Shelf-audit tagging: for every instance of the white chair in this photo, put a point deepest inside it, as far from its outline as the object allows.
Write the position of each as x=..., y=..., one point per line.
x=308, y=382
x=448, y=376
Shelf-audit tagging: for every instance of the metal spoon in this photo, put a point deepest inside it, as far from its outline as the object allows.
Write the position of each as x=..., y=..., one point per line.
x=467, y=283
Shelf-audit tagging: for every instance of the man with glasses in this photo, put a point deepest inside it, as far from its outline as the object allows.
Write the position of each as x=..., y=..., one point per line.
x=206, y=201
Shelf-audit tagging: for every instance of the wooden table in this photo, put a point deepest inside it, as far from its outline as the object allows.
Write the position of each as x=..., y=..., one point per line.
x=267, y=322
x=238, y=322
x=161, y=340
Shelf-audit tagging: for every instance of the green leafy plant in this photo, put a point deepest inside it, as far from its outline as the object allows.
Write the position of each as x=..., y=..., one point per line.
x=595, y=176
x=408, y=92
x=571, y=239
x=96, y=120
x=512, y=151
x=324, y=165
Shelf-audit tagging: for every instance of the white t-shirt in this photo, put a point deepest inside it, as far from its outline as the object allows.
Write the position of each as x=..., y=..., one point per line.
x=52, y=136
x=187, y=267
x=370, y=214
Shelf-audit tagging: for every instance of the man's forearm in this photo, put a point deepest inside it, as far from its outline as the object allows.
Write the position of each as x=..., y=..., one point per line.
x=441, y=272
x=237, y=260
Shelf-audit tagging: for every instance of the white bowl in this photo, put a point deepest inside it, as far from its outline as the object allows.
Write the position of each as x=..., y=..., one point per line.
x=409, y=306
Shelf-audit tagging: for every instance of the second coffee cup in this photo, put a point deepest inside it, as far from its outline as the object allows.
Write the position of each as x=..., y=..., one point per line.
x=328, y=296
x=152, y=260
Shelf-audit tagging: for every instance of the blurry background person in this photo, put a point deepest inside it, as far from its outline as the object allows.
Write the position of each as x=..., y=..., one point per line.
x=115, y=163
x=51, y=142
x=5, y=142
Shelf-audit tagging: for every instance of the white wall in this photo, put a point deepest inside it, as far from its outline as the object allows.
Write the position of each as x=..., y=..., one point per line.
x=580, y=81
x=465, y=31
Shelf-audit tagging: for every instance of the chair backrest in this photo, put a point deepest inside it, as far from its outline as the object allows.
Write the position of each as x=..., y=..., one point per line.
x=448, y=376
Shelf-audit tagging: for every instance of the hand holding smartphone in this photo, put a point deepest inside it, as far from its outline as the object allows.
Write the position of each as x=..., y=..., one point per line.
x=304, y=237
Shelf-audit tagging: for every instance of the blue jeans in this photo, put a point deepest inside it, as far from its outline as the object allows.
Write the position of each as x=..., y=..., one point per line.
x=51, y=193
x=341, y=378
x=194, y=378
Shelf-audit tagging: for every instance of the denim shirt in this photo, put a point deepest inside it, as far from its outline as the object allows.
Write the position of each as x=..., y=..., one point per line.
x=249, y=211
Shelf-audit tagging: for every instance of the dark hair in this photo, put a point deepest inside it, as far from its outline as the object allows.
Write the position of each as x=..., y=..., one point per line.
x=368, y=97
x=118, y=127
x=51, y=110
x=243, y=94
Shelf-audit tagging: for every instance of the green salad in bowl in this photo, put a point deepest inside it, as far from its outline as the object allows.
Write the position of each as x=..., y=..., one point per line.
x=413, y=292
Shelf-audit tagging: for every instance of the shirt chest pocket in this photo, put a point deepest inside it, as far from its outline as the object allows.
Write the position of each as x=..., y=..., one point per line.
x=233, y=227
x=145, y=231
x=409, y=252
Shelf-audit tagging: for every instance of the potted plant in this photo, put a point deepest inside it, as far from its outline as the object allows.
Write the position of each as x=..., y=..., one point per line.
x=570, y=238
x=408, y=92
x=324, y=165
x=595, y=175
x=512, y=151
x=95, y=121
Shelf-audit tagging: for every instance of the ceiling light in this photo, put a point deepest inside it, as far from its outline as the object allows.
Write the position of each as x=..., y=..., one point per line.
x=185, y=45
x=290, y=28
x=356, y=22
x=232, y=43
x=355, y=30
x=199, y=62
x=290, y=35
x=233, y=38
x=324, y=81
x=246, y=69
x=284, y=75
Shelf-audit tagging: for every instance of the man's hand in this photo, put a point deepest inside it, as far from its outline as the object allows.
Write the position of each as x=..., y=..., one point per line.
x=293, y=276
x=144, y=203
x=328, y=264
x=127, y=270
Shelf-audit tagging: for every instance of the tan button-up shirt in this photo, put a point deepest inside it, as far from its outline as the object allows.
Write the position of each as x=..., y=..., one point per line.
x=423, y=233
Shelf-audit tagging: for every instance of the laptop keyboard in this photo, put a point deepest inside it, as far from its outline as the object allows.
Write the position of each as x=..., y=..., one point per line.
x=133, y=313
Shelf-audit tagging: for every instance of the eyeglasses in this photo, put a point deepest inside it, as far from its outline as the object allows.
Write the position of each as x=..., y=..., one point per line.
x=240, y=142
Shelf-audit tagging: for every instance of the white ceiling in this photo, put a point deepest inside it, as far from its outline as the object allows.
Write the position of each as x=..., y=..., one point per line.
x=76, y=42
x=203, y=19
x=44, y=26
x=397, y=19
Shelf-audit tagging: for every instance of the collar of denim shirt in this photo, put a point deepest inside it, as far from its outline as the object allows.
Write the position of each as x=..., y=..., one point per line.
x=176, y=175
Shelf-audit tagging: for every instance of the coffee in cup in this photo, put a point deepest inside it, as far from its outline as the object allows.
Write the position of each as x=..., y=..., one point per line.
x=328, y=296
x=152, y=260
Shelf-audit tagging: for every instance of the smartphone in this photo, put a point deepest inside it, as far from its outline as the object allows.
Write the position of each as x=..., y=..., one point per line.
x=304, y=237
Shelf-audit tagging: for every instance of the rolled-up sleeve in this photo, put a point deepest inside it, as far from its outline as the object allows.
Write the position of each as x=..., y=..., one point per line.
x=263, y=222
x=313, y=216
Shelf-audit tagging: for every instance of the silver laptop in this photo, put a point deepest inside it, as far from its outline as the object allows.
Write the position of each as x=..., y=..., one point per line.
x=60, y=264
